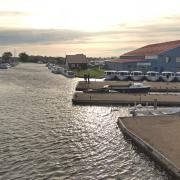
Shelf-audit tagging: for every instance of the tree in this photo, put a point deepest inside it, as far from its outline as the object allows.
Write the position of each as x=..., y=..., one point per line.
x=6, y=57
x=23, y=57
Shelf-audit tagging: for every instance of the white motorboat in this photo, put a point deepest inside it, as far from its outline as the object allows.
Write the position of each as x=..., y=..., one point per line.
x=168, y=76
x=137, y=75
x=109, y=75
x=178, y=76
x=57, y=70
x=152, y=76
x=131, y=88
x=4, y=66
x=140, y=110
x=123, y=75
x=69, y=74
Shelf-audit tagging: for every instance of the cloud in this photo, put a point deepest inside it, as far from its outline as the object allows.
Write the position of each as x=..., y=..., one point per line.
x=32, y=36
x=13, y=13
x=122, y=37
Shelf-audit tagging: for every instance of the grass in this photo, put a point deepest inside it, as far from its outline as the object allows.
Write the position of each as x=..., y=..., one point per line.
x=93, y=72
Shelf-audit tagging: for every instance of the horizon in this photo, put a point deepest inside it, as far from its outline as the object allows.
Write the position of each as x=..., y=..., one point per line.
x=94, y=28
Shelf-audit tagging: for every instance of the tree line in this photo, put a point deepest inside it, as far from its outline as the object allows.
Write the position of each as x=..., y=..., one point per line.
x=7, y=57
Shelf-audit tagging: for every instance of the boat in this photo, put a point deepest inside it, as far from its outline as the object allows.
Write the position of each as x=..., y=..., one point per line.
x=131, y=88
x=57, y=70
x=152, y=76
x=123, y=75
x=50, y=66
x=105, y=89
x=140, y=110
x=137, y=75
x=110, y=75
x=168, y=76
x=4, y=66
x=177, y=76
x=69, y=74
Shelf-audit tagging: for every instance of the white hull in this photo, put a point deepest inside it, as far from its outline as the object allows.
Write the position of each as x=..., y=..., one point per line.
x=122, y=78
x=178, y=78
x=69, y=74
x=137, y=78
x=168, y=76
x=109, y=77
x=169, y=79
x=152, y=78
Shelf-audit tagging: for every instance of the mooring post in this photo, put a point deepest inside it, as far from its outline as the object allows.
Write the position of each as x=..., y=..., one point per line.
x=155, y=103
x=140, y=99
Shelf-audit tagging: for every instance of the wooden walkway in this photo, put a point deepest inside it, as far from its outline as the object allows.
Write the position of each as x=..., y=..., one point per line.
x=126, y=99
x=158, y=135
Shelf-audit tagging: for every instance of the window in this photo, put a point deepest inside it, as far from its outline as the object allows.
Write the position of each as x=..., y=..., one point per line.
x=178, y=59
x=168, y=59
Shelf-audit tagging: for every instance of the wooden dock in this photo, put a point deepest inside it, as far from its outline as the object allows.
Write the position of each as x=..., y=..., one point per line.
x=158, y=135
x=155, y=86
x=126, y=99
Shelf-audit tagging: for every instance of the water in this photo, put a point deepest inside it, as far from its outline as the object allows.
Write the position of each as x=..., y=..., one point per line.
x=43, y=136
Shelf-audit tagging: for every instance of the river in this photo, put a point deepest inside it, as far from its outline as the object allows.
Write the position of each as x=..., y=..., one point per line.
x=44, y=136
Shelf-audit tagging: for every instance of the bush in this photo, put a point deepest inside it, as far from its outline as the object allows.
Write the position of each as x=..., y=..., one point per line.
x=94, y=72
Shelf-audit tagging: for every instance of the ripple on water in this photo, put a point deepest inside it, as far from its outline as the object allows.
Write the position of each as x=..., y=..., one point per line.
x=43, y=136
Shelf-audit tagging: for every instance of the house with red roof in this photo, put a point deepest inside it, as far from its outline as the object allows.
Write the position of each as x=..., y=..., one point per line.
x=76, y=61
x=154, y=57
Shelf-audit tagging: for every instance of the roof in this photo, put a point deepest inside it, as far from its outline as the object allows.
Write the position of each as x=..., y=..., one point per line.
x=154, y=49
x=126, y=60
x=77, y=58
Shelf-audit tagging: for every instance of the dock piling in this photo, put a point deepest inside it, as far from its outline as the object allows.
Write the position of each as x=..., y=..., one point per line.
x=155, y=103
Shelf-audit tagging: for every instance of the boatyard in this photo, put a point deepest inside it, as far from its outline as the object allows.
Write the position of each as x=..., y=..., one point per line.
x=158, y=135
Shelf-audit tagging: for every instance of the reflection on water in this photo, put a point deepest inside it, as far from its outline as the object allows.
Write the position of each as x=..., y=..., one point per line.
x=43, y=136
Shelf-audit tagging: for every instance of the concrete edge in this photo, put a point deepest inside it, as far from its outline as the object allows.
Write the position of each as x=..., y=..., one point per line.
x=117, y=102
x=169, y=165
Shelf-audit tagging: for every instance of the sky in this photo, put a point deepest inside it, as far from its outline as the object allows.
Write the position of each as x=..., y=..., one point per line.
x=97, y=28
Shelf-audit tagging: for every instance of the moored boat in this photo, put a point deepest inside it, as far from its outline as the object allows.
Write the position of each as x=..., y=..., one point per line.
x=69, y=74
x=168, y=76
x=57, y=70
x=152, y=76
x=123, y=75
x=137, y=75
x=4, y=66
x=140, y=110
x=131, y=88
x=109, y=75
x=178, y=76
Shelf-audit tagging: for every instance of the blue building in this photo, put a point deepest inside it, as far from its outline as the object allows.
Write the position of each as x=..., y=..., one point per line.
x=154, y=57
